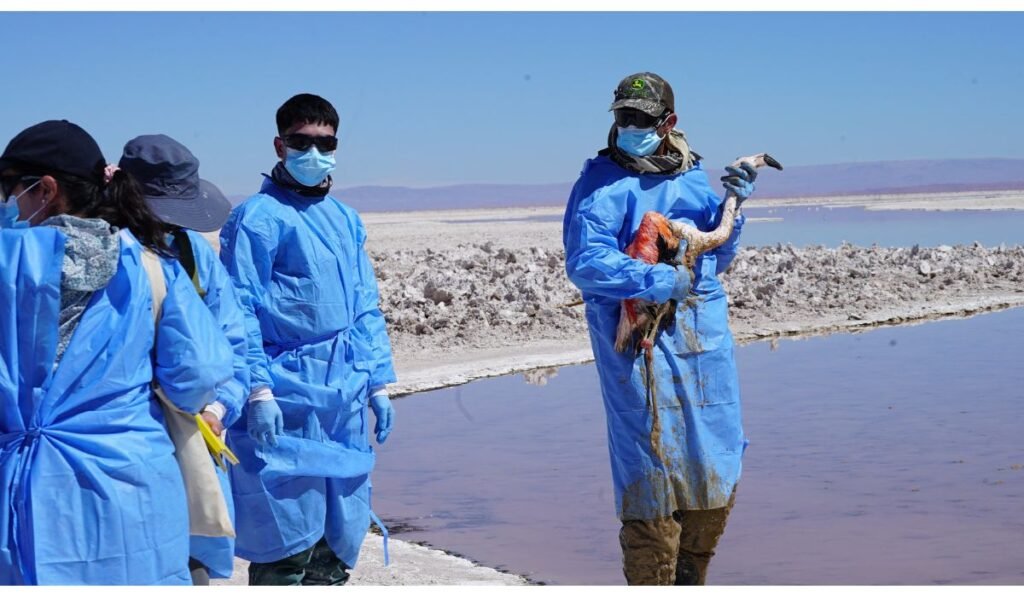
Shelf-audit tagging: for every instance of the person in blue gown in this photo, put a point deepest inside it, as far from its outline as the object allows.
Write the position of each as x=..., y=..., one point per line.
x=676, y=461
x=319, y=358
x=189, y=205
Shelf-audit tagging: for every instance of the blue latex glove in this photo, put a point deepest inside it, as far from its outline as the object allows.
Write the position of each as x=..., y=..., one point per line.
x=740, y=181
x=385, y=415
x=265, y=422
x=684, y=279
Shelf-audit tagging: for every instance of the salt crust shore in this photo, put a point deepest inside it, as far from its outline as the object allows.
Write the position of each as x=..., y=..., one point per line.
x=432, y=266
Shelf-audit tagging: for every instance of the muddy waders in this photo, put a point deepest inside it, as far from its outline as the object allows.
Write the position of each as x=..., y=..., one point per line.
x=674, y=549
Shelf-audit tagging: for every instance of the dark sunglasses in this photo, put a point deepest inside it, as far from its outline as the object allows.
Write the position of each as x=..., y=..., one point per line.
x=303, y=142
x=10, y=182
x=631, y=117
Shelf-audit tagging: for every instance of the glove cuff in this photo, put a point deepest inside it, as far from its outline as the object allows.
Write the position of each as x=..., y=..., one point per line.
x=261, y=394
x=216, y=409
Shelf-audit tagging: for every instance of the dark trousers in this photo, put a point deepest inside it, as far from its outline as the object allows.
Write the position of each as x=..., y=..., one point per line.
x=672, y=550
x=314, y=566
x=200, y=575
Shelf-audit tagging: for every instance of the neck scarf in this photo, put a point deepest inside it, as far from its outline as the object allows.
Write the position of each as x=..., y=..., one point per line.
x=678, y=158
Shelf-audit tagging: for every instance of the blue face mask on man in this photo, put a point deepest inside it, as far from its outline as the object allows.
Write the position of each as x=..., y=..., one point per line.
x=309, y=168
x=9, y=211
x=638, y=142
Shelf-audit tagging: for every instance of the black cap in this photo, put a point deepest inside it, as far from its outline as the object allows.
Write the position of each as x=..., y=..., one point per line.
x=169, y=176
x=646, y=92
x=55, y=146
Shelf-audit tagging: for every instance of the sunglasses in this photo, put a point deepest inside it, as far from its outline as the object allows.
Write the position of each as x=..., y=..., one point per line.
x=10, y=182
x=631, y=117
x=303, y=142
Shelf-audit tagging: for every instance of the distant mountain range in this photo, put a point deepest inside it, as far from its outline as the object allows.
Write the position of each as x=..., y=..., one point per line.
x=863, y=178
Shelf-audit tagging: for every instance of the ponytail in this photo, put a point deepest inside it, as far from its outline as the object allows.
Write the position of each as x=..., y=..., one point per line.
x=120, y=203
x=124, y=206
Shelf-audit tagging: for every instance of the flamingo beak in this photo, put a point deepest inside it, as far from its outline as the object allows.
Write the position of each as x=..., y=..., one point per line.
x=770, y=161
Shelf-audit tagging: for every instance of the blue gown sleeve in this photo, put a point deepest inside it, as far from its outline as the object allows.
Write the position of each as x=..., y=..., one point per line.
x=248, y=256
x=369, y=322
x=222, y=302
x=192, y=356
x=596, y=264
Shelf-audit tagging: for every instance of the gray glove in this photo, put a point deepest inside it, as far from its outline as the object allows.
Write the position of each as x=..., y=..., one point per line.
x=740, y=181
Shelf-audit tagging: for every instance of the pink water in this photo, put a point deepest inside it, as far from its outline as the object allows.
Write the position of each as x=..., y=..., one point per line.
x=889, y=457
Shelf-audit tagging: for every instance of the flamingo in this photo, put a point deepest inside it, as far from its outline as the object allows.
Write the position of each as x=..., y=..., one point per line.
x=657, y=241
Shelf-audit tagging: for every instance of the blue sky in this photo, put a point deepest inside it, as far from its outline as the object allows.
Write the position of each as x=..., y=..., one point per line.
x=429, y=99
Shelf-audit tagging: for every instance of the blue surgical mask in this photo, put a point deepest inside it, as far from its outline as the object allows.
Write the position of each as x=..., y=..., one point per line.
x=9, y=211
x=638, y=142
x=309, y=168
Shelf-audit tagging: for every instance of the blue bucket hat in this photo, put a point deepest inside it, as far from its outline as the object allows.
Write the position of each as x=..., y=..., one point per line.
x=169, y=176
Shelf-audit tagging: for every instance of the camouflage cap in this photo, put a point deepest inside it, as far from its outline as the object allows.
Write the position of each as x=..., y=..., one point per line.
x=646, y=92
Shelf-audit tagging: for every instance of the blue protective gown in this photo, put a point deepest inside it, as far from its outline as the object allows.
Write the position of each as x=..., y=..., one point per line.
x=91, y=492
x=318, y=339
x=217, y=554
x=692, y=460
